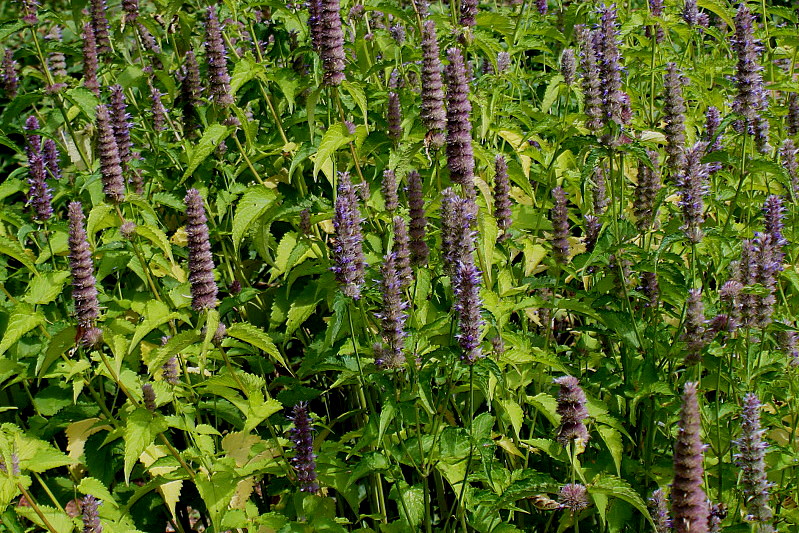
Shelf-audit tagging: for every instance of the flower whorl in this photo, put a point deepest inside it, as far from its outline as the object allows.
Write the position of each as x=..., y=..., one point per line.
x=303, y=461
x=39, y=195
x=389, y=190
x=201, y=262
x=120, y=121
x=331, y=42
x=348, y=250
x=468, y=304
x=689, y=504
x=84, y=284
x=502, y=203
x=392, y=315
x=751, y=459
x=457, y=237
x=659, y=511
x=418, y=224
x=432, y=112
x=751, y=101
x=692, y=183
x=591, y=82
x=460, y=155
x=560, y=226
x=100, y=26
x=110, y=164
x=646, y=191
x=216, y=54
x=90, y=61
x=674, y=109
x=572, y=411
x=615, y=102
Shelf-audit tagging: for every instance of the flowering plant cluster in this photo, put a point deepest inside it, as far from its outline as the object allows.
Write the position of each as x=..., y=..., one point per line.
x=355, y=265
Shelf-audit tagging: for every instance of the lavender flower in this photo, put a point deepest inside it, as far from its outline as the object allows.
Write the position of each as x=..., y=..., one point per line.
x=591, y=82
x=646, y=191
x=503, y=62
x=751, y=101
x=460, y=158
x=84, y=285
x=304, y=459
x=615, y=102
x=110, y=164
x=695, y=332
x=100, y=26
x=331, y=49
x=217, y=60
x=788, y=160
x=457, y=237
x=158, y=109
x=768, y=264
x=148, y=396
x=432, y=112
x=402, y=252
x=392, y=316
x=394, y=117
x=692, y=183
x=573, y=413
x=560, y=226
x=121, y=125
x=9, y=79
x=574, y=497
x=348, y=250
x=689, y=505
x=201, y=261
x=418, y=224
x=397, y=33
x=468, y=13
x=502, y=203
x=792, y=119
x=90, y=61
x=314, y=22
x=599, y=191
x=692, y=16
x=568, y=66
x=674, y=110
x=659, y=512
x=773, y=213
x=466, y=283
x=39, y=195
x=51, y=159
x=131, y=9
x=91, y=519
x=751, y=459
x=389, y=190
x=190, y=90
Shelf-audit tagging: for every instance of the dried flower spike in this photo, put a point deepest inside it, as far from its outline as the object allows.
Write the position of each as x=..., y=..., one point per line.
x=201, y=261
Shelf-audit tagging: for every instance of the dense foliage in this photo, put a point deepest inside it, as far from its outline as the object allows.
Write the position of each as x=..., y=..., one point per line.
x=391, y=266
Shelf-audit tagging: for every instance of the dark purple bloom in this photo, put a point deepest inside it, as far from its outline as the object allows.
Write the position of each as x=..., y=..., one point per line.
x=457, y=237
x=650, y=288
x=304, y=458
x=110, y=164
x=599, y=191
x=692, y=16
x=788, y=160
x=389, y=190
x=674, y=111
x=692, y=183
x=131, y=9
x=695, y=327
x=767, y=265
x=90, y=61
x=751, y=102
x=190, y=90
x=656, y=10
x=773, y=213
x=51, y=159
x=432, y=112
x=348, y=249
x=574, y=497
x=331, y=38
x=394, y=117
x=468, y=12
x=559, y=215
x=541, y=5
x=792, y=119
x=84, y=284
x=689, y=506
x=712, y=135
x=29, y=9
x=397, y=32
x=216, y=54
x=402, y=252
x=615, y=102
x=751, y=459
x=100, y=26
x=591, y=82
x=646, y=191
x=120, y=121
x=460, y=157
x=314, y=22
x=568, y=66
x=573, y=412
x=91, y=519
x=502, y=202
x=392, y=315
x=418, y=223
x=660, y=512
x=305, y=223
x=10, y=78
x=592, y=228
x=148, y=396
x=468, y=304
x=39, y=196
x=201, y=260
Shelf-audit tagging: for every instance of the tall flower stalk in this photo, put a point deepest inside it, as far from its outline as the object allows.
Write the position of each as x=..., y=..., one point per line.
x=751, y=101
x=304, y=460
x=201, y=262
x=433, y=114
x=331, y=38
x=110, y=163
x=392, y=315
x=751, y=459
x=84, y=284
x=460, y=155
x=689, y=506
x=216, y=53
x=348, y=257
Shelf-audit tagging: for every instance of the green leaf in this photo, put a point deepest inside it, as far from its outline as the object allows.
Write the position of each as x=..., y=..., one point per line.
x=514, y=414
x=245, y=70
x=14, y=249
x=217, y=492
x=612, y=439
x=58, y=520
x=155, y=313
x=8, y=28
x=334, y=138
x=157, y=237
x=100, y=217
x=213, y=135
x=302, y=307
x=85, y=100
x=46, y=288
x=95, y=487
x=250, y=207
x=23, y=319
x=551, y=93
x=619, y=488
x=174, y=345
x=141, y=428
x=256, y=337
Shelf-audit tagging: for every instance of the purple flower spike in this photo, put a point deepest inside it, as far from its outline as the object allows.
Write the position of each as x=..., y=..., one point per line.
x=158, y=109
x=460, y=157
x=100, y=26
x=394, y=117
x=392, y=315
x=148, y=396
x=90, y=61
x=792, y=119
x=201, y=260
x=110, y=164
x=84, y=284
x=402, y=252
x=457, y=237
x=541, y=6
x=789, y=162
x=10, y=79
x=751, y=102
x=468, y=14
x=120, y=121
x=599, y=191
x=615, y=102
x=51, y=159
x=560, y=226
x=389, y=190
x=674, y=110
x=573, y=412
x=216, y=54
x=468, y=304
x=568, y=66
x=418, y=224
x=502, y=202
x=689, y=506
x=656, y=10
x=646, y=191
x=695, y=334
x=131, y=9
x=348, y=257
x=692, y=183
x=591, y=82
x=660, y=512
x=751, y=458
x=304, y=460
x=433, y=114
x=39, y=196
x=29, y=9
x=332, y=42
x=314, y=23
x=91, y=519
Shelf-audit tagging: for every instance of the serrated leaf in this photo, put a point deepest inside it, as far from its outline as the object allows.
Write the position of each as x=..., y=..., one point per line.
x=174, y=345
x=100, y=217
x=217, y=492
x=258, y=338
x=169, y=200
x=157, y=237
x=612, y=439
x=85, y=100
x=46, y=288
x=22, y=320
x=59, y=521
x=551, y=94
x=155, y=313
x=141, y=428
x=244, y=70
x=213, y=135
x=334, y=138
x=15, y=250
x=95, y=487
x=514, y=413
x=249, y=208
x=619, y=488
